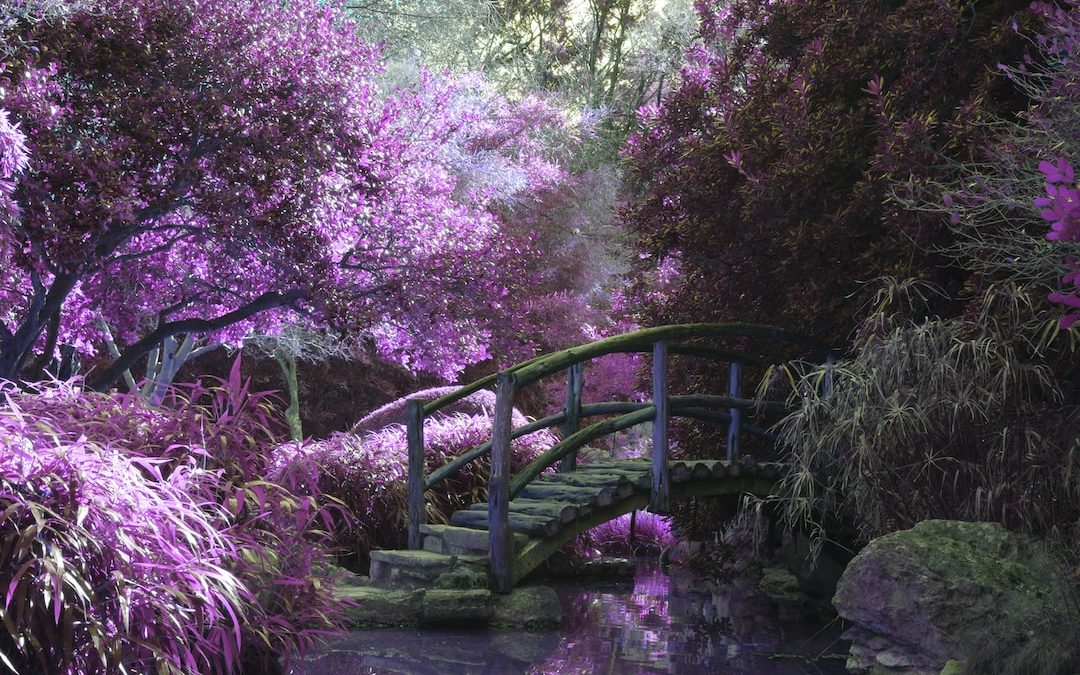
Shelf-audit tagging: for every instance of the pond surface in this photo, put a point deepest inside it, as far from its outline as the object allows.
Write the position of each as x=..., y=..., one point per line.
x=658, y=623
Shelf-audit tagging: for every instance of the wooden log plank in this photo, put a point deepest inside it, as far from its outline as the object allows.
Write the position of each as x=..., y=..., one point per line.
x=598, y=496
x=414, y=435
x=643, y=464
x=720, y=469
x=699, y=470
x=680, y=472
x=585, y=479
x=769, y=470
x=563, y=511
x=639, y=478
x=534, y=526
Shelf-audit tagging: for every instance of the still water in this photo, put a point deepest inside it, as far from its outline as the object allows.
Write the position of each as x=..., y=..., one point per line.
x=660, y=622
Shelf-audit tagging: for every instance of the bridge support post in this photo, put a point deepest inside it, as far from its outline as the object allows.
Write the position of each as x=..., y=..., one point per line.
x=414, y=411
x=575, y=381
x=500, y=553
x=660, y=501
x=735, y=426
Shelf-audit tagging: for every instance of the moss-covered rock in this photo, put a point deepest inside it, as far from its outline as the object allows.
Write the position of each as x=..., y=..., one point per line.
x=457, y=606
x=954, y=590
x=780, y=585
x=532, y=606
x=381, y=606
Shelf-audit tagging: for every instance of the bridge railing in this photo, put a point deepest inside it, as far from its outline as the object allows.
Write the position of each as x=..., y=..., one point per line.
x=658, y=341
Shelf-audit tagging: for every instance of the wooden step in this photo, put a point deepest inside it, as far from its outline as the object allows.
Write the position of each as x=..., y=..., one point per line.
x=534, y=526
x=585, y=479
x=595, y=496
x=565, y=512
x=640, y=478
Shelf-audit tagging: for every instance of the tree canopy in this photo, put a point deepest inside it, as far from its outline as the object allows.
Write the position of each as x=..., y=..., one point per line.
x=214, y=166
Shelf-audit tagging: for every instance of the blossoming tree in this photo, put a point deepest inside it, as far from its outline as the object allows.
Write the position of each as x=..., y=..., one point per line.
x=217, y=166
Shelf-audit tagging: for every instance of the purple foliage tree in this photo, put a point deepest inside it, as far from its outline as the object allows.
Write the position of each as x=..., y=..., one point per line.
x=215, y=167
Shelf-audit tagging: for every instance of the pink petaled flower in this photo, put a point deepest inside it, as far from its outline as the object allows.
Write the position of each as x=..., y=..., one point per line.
x=1061, y=207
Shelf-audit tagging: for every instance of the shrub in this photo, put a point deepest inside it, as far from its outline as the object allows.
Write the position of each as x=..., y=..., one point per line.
x=652, y=534
x=367, y=472
x=156, y=484
x=108, y=564
x=766, y=172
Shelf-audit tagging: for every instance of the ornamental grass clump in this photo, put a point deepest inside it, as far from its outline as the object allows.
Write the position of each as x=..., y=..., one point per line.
x=149, y=538
x=108, y=565
x=932, y=419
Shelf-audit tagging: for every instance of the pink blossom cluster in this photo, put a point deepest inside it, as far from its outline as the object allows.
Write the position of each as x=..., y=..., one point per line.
x=1061, y=208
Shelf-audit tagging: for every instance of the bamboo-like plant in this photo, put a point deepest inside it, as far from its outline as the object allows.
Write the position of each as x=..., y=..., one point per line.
x=931, y=418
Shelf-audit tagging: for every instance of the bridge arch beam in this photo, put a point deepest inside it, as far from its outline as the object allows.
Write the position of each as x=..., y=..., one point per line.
x=534, y=553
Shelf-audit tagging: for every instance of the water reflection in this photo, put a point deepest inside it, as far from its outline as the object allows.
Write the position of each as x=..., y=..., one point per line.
x=672, y=624
x=656, y=624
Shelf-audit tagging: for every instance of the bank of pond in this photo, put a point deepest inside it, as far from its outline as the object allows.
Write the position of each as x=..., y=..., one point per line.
x=659, y=619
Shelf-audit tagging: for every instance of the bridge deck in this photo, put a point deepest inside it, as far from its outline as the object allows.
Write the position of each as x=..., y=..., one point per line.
x=556, y=507
x=554, y=501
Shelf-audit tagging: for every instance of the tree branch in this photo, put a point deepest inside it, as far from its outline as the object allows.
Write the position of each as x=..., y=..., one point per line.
x=132, y=353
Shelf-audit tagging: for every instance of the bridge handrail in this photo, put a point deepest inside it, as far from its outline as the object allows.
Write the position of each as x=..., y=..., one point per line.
x=641, y=341
x=644, y=338
x=645, y=413
x=679, y=404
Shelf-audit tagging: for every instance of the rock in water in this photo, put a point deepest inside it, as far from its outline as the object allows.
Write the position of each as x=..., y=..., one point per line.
x=948, y=590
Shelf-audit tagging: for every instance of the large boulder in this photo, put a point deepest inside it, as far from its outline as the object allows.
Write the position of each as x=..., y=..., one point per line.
x=947, y=590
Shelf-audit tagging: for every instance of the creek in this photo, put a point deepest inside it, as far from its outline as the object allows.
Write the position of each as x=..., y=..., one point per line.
x=663, y=621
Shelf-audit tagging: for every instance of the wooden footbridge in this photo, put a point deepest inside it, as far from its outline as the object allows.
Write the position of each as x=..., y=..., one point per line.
x=531, y=515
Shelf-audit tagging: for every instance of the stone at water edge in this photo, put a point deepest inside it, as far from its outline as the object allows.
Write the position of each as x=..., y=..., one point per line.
x=381, y=606
x=946, y=590
x=780, y=585
x=532, y=606
x=456, y=606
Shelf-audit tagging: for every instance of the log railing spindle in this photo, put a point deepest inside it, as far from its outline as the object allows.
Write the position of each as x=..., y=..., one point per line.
x=575, y=381
x=500, y=554
x=735, y=425
x=660, y=501
x=414, y=411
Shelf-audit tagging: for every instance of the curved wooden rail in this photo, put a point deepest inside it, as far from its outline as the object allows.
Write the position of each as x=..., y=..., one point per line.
x=641, y=341
x=695, y=405
x=728, y=408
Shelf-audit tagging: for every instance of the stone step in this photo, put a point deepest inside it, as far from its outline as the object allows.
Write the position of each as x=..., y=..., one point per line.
x=524, y=607
x=418, y=569
x=455, y=540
